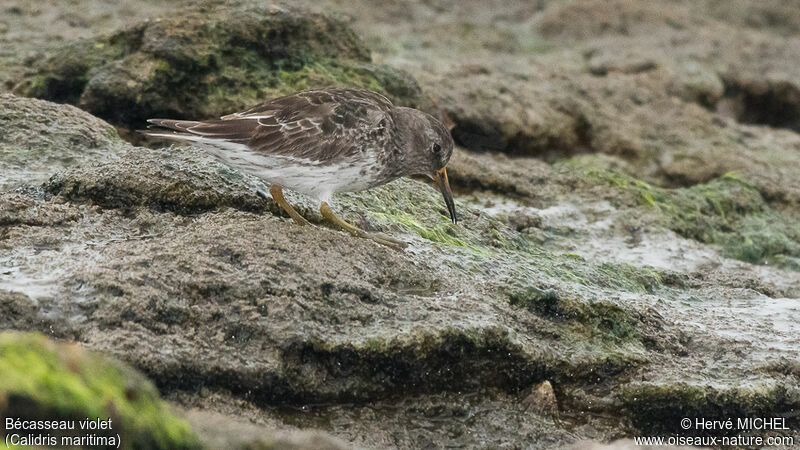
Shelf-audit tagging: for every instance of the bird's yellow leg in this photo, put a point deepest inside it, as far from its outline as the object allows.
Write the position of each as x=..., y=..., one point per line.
x=327, y=213
x=277, y=195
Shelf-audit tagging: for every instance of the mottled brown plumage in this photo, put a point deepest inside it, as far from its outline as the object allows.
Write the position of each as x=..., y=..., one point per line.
x=325, y=141
x=316, y=125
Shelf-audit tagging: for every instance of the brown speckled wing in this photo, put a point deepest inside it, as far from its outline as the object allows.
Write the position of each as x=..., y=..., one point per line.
x=319, y=126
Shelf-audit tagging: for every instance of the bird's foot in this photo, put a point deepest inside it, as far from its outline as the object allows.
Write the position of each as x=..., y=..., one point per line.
x=382, y=239
x=277, y=194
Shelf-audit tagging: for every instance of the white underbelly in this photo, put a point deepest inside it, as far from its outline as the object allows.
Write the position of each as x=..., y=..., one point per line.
x=309, y=177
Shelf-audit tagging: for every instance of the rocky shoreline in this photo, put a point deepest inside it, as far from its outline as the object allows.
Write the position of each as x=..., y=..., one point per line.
x=628, y=253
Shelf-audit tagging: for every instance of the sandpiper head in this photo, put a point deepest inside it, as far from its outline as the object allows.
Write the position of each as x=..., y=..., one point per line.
x=428, y=146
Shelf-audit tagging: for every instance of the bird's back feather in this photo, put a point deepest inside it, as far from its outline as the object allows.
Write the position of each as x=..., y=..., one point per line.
x=320, y=126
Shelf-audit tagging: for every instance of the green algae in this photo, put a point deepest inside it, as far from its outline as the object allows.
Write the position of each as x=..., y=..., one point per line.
x=440, y=233
x=727, y=211
x=411, y=208
x=42, y=379
x=619, y=276
x=414, y=208
x=600, y=318
x=627, y=277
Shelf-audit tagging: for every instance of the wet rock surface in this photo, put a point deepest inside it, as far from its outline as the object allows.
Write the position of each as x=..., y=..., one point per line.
x=627, y=254
x=39, y=136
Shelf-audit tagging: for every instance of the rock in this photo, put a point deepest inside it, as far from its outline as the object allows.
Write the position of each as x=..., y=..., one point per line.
x=661, y=408
x=40, y=379
x=727, y=211
x=213, y=59
x=221, y=431
x=293, y=355
x=696, y=82
x=181, y=179
x=649, y=89
x=18, y=310
x=530, y=178
x=522, y=222
x=528, y=116
x=288, y=315
x=541, y=400
x=39, y=137
x=19, y=209
x=594, y=18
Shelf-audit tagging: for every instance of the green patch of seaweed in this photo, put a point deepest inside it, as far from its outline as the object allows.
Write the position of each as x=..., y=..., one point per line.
x=617, y=276
x=440, y=232
x=41, y=379
x=415, y=208
x=627, y=277
x=728, y=212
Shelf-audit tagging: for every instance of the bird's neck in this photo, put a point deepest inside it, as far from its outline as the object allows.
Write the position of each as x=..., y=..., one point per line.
x=403, y=145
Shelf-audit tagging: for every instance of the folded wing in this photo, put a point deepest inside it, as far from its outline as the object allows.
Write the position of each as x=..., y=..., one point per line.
x=314, y=125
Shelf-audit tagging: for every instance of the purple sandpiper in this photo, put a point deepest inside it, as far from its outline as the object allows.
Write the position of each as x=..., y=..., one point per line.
x=325, y=141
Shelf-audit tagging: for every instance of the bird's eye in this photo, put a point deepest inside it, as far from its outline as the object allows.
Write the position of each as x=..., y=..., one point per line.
x=437, y=148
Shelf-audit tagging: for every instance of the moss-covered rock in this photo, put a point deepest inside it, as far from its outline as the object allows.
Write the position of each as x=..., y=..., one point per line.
x=727, y=211
x=598, y=318
x=410, y=207
x=212, y=59
x=43, y=380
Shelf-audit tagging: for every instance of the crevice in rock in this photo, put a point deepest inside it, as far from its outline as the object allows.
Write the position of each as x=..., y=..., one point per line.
x=480, y=135
x=317, y=373
x=661, y=407
x=761, y=102
x=358, y=375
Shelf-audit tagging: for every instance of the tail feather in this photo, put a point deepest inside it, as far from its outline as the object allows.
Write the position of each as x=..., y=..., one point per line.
x=169, y=128
x=230, y=134
x=179, y=125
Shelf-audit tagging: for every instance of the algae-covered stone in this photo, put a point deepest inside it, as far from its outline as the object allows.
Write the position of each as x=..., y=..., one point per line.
x=43, y=380
x=611, y=283
x=727, y=211
x=211, y=59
